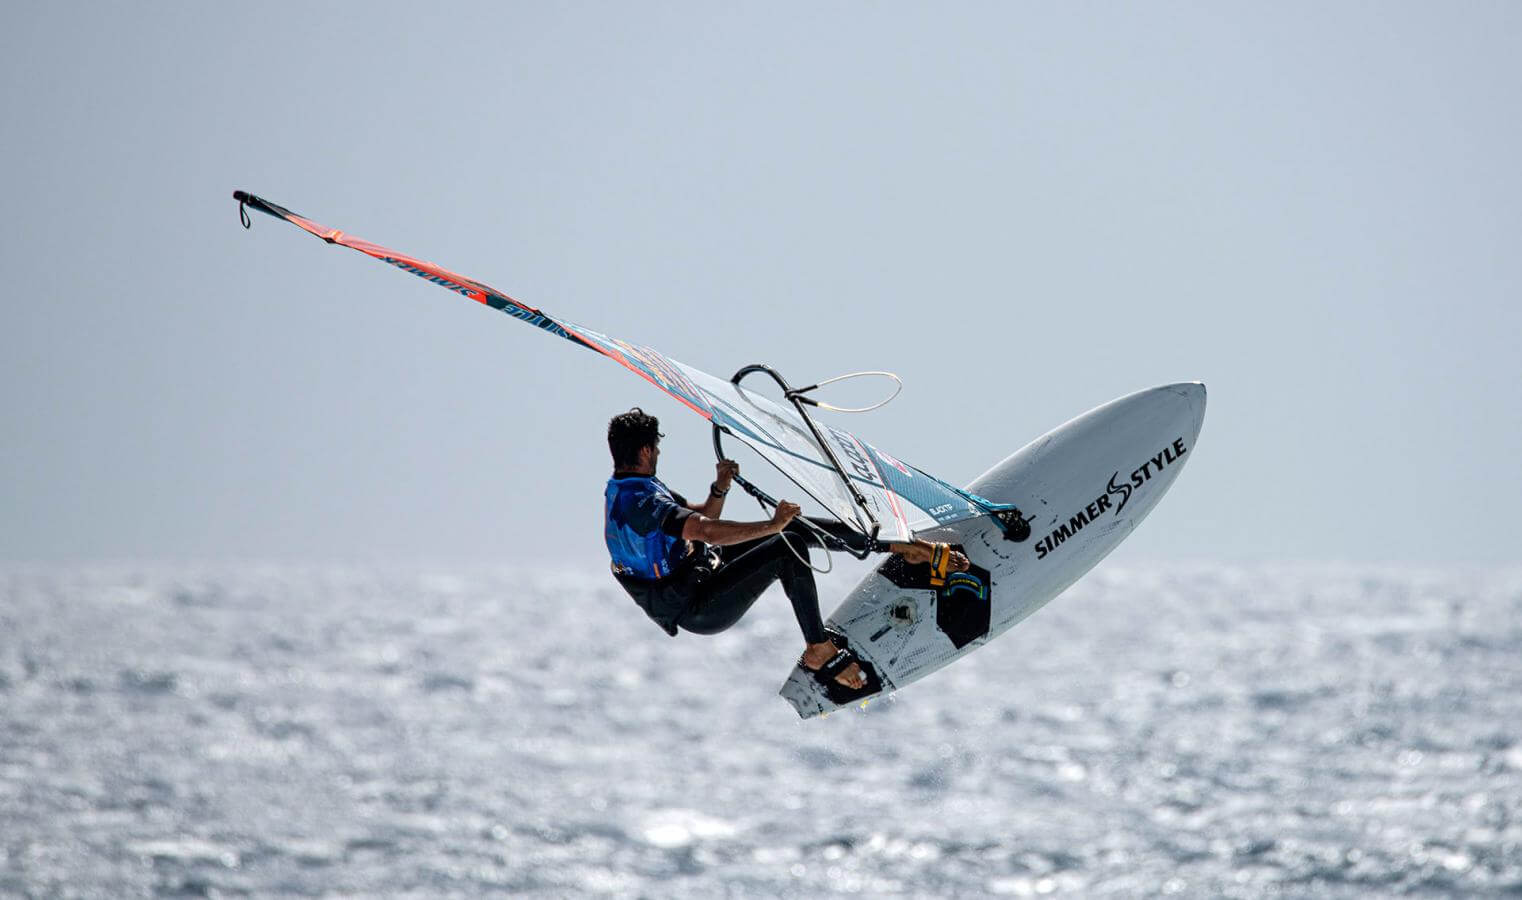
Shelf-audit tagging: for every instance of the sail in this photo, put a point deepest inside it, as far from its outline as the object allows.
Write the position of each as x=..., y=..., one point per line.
x=870, y=490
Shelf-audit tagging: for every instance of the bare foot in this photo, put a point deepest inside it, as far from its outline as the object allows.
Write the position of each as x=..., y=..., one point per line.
x=922, y=552
x=816, y=655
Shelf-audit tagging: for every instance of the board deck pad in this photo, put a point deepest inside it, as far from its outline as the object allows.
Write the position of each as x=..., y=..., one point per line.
x=1084, y=486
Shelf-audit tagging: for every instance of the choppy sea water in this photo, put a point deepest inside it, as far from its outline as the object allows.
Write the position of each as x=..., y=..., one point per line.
x=1202, y=731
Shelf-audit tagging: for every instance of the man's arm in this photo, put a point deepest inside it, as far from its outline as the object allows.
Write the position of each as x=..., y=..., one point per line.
x=726, y=471
x=719, y=532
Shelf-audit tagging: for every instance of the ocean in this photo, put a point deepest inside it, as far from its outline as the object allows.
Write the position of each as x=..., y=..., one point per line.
x=1189, y=730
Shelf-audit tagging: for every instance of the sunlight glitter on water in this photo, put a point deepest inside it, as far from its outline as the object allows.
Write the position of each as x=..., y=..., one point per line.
x=1189, y=731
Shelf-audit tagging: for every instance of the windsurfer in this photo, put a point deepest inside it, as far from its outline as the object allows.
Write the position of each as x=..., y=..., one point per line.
x=688, y=568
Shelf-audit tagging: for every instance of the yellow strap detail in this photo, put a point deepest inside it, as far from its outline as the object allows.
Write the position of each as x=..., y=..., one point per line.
x=940, y=561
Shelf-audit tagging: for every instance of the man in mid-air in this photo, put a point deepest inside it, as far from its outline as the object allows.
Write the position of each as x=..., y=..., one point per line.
x=689, y=569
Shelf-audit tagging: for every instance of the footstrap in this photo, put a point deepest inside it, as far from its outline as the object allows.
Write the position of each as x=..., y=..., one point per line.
x=842, y=660
x=940, y=563
x=838, y=663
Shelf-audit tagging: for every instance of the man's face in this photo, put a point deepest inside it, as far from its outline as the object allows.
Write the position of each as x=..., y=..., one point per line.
x=655, y=455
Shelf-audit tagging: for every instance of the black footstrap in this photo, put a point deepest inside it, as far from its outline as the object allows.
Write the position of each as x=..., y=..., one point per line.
x=840, y=693
x=836, y=664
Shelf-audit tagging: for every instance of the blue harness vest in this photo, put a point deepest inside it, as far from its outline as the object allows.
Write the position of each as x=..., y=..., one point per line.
x=650, y=555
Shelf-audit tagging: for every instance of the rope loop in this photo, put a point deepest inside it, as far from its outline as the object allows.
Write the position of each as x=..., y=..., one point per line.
x=802, y=557
x=798, y=393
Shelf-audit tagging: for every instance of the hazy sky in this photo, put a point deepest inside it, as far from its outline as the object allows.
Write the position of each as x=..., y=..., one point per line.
x=1024, y=209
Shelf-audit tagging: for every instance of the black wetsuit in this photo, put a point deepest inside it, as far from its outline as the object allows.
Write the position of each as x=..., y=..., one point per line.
x=711, y=588
x=746, y=570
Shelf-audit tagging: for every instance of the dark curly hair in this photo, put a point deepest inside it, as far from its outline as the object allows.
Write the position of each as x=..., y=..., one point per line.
x=628, y=432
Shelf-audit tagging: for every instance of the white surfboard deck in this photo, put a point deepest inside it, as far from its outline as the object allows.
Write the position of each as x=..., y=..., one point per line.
x=1083, y=486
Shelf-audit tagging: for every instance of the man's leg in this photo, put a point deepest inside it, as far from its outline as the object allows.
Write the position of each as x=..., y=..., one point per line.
x=730, y=592
x=749, y=568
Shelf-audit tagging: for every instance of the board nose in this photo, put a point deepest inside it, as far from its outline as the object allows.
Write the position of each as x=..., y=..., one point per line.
x=1194, y=390
x=1194, y=393
x=1184, y=402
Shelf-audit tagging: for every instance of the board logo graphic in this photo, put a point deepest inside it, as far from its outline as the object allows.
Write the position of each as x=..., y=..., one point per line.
x=1143, y=473
x=1123, y=490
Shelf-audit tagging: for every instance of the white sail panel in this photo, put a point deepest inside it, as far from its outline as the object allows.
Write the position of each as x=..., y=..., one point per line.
x=781, y=437
x=896, y=498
